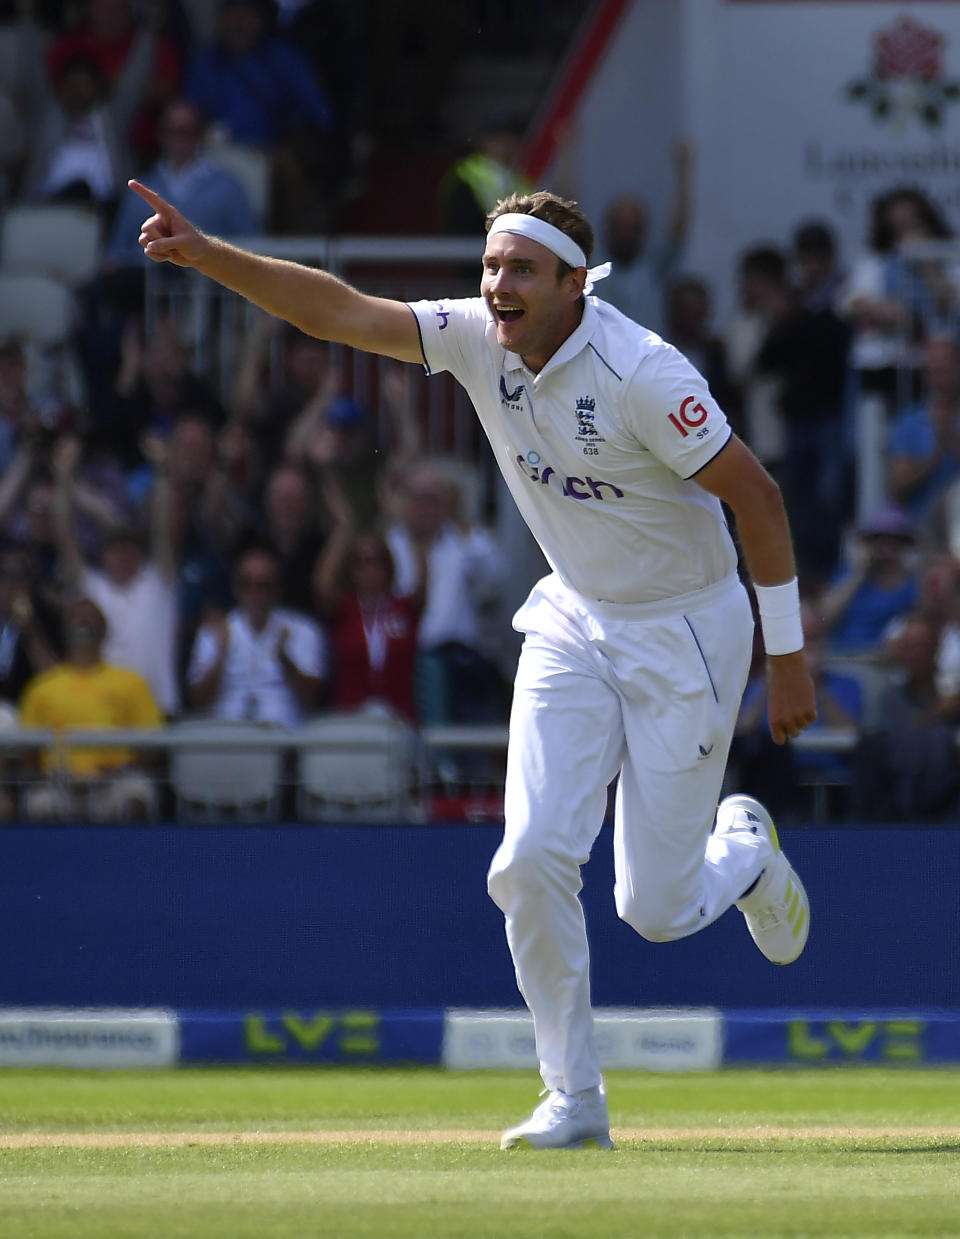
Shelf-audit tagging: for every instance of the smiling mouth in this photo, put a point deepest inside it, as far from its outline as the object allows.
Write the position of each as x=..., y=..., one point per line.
x=508, y=314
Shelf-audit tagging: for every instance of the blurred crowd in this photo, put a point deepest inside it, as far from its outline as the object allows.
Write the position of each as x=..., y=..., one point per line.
x=284, y=549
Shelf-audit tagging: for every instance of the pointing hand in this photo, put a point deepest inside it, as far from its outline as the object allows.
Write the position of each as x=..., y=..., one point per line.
x=167, y=236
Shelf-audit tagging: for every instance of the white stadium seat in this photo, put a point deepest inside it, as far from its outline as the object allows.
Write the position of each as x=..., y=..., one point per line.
x=50, y=239
x=356, y=766
x=38, y=307
x=222, y=769
x=251, y=168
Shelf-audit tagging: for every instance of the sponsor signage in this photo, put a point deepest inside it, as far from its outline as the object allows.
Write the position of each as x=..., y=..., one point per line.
x=95, y=1038
x=650, y=1040
x=814, y=1039
x=318, y=1036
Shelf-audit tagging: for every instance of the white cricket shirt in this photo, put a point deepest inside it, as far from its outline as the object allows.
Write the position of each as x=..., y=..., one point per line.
x=598, y=449
x=142, y=626
x=253, y=684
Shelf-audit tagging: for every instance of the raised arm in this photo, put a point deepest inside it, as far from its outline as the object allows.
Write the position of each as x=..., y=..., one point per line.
x=315, y=301
x=66, y=455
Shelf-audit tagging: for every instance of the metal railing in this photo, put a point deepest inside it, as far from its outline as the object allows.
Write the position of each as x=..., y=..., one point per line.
x=217, y=325
x=473, y=792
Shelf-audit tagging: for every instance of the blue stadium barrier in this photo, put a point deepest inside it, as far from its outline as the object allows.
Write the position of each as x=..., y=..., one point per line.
x=828, y=1038
x=353, y=1037
x=309, y=918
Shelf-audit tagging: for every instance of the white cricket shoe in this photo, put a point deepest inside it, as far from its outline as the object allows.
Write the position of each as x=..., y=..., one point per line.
x=564, y=1121
x=776, y=908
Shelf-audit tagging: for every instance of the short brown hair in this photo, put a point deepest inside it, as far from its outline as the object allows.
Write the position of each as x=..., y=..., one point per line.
x=561, y=212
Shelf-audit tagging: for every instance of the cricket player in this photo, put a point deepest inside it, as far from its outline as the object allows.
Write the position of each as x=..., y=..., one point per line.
x=637, y=644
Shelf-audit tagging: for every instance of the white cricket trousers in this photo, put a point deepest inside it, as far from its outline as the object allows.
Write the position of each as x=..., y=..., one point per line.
x=649, y=690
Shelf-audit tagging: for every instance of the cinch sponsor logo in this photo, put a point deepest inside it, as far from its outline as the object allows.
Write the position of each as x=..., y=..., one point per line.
x=347, y=1034
x=442, y=314
x=572, y=487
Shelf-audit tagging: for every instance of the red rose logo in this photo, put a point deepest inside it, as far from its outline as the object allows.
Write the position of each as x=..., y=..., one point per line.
x=908, y=49
x=907, y=77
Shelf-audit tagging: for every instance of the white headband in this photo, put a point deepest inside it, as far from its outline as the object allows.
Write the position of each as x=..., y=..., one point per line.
x=553, y=239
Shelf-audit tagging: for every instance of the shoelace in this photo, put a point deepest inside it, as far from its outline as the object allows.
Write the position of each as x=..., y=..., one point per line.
x=768, y=917
x=557, y=1103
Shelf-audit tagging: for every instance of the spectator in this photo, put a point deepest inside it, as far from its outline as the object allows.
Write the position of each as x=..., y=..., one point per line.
x=108, y=37
x=210, y=195
x=338, y=434
x=154, y=388
x=807, y=349
x=108, y=783
x=372, y=627
x=19, y=416
x=31, y=528
x=260, y=661
x=80, y=146
x=290, y=531
x=22, y=89
x=135, y=591
x=923, y=455
x=458, y=681
x=334, y=38
x=876, y=587
x=27, y=647
x=688, y=328
x=205, y=522
x=28, y=642
x=112, y=304
x=262, y=92
x=642, y=272
x=907, y=768
x=763, y=288
x=774, y=768
x=281, y=373
x=939, y=604
x=892, y=304
x=475, y=183
x=27, y=501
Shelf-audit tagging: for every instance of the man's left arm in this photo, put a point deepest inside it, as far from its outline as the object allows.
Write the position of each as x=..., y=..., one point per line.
x=735, y=476
x=300, y=653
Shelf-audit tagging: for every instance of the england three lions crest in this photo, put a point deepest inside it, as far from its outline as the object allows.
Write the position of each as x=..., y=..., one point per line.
x=585, y=413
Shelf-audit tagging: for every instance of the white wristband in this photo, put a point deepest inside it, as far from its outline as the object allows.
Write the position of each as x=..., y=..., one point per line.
x=779, y=607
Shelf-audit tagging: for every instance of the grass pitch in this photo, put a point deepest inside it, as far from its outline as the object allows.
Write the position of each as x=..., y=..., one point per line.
x=290, y=1154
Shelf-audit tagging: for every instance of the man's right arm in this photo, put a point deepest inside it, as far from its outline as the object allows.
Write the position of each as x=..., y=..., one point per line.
x=315, y=301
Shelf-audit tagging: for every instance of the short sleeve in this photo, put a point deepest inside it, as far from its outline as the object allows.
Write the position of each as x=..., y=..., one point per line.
x=142, y=708
x=452, y=333
x=912, y=436
x=307, y=649
x=203, y=655
x=672, y=413
x=30, y=714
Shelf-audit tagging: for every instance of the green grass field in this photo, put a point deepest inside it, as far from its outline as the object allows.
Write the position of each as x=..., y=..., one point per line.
x=291, y=1154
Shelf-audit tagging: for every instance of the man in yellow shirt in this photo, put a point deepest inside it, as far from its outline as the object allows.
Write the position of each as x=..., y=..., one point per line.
x=85, y=692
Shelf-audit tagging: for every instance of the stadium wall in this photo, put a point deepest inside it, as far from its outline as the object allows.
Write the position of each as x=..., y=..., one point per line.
x=305, y=918
x=865, y=98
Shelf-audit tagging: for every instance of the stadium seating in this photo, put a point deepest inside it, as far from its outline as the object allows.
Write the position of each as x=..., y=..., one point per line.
x=356, y=767
x=221, y=769
x=251, y=168
x=37, y=307
x=50, y=239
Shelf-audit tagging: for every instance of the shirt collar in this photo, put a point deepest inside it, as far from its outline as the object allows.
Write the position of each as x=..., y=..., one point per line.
x=575, y=343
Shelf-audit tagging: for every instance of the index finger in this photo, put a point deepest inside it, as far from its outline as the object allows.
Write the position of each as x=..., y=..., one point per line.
x=149, y=196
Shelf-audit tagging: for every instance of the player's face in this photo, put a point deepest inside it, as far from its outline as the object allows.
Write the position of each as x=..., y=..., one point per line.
x=534, y=309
